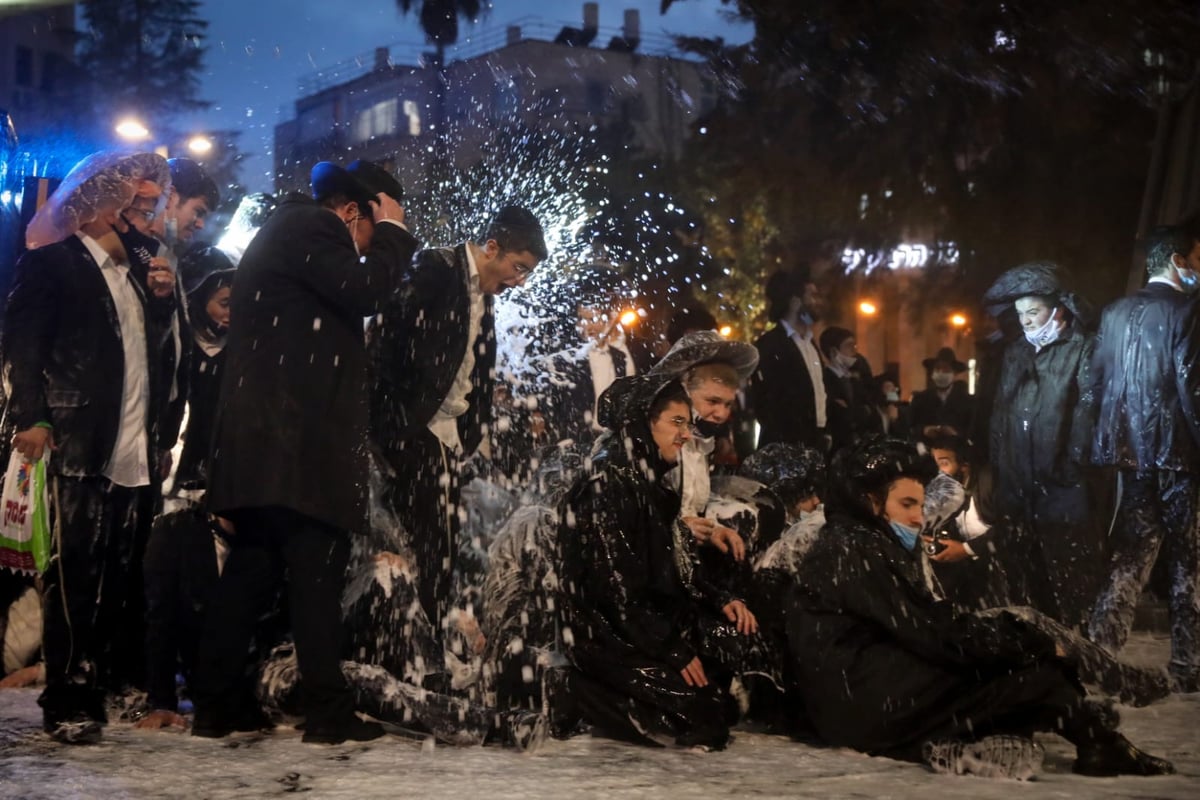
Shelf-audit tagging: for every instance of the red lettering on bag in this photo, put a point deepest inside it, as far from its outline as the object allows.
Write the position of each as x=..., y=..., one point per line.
x=14, y=512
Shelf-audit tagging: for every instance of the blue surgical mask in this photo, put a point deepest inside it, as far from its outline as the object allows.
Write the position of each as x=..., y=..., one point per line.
x=907, y=536
x=1188, y=279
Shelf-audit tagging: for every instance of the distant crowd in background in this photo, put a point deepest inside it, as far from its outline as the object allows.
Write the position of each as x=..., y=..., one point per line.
x=291, y=478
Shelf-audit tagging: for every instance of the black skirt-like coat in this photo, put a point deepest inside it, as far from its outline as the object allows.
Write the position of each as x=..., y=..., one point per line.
x=291, y=420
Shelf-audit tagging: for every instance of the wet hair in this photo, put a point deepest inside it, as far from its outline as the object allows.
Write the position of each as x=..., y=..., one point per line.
x=516, y=230
x=689, y=318
x=864, y=474
x=673, y=392
x=782, y=287
x=1166, y=241
x=717, y=371
x=338, y=199
x=955, y=444
x=190, y=180
x=832, y=338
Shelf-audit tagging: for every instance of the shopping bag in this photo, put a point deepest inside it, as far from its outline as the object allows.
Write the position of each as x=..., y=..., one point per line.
x=25, y=516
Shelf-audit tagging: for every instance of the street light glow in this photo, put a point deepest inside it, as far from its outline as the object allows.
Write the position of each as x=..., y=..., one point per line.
x=958, y=320
x=132, y=130
x=725, y=331
x=868, y=308
x=629, y=318
x=200, y=145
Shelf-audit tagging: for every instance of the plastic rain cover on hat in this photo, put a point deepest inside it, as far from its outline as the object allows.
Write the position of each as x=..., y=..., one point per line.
x=705, y=347
x=101, y=182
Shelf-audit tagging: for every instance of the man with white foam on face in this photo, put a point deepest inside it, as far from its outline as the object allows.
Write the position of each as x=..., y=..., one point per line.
x=433, y=356
x=289, y=465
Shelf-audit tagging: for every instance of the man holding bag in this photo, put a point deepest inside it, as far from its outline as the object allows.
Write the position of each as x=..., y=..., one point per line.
x=82, y=335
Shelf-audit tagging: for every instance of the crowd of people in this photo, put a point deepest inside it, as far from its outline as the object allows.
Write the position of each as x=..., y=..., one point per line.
x=370, y=527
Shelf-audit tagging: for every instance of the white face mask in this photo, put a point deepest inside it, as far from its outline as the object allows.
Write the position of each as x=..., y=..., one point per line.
x=845, y=361
x=892, y=397
x=942, y=380
x=1045, y=334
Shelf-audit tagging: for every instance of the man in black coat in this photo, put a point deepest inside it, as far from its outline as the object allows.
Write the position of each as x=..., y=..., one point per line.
x=886, y=668
x=1147, y=381
x=1041, y=429
x=433, y=359
x=83, y=335
x=289, y=459
x=787, y=393
x=944, y=407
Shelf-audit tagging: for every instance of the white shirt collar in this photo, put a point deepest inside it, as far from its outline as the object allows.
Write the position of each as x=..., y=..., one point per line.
x=472, y=270
x=101, y=255
x=1162, y=280
x=793, y=333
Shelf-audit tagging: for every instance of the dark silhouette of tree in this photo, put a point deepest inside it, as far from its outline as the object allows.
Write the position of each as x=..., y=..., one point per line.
x=144, y=56
x=1015, y=130
x=439, y=21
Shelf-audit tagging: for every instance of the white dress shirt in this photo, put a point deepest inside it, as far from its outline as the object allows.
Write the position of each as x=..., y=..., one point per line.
x=129, y=463
x=604, y=371
x=444, y=424
x=812, y=360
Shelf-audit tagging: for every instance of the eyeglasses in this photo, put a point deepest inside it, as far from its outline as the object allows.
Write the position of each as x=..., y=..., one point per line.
x=147, y=214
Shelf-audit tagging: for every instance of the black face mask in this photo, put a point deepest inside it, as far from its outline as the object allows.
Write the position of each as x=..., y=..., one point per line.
x=140, y=247
x=709, y=429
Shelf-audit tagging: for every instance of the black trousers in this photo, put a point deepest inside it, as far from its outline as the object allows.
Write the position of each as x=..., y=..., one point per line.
x=266, y=542
x=92, y=590
x=180, y=578
x=424, y=493
x=1160, y=514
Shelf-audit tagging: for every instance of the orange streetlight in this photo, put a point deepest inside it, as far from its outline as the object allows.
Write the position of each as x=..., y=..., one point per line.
x=629, y=318
x=867, y=308
x=726, y=331
x=958, y=320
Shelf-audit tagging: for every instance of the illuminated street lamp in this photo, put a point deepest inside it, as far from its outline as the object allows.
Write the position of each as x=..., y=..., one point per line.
x=958, y=320
x=200, y=145
x=867, y=308
x=629, y=318
x=132, y=130
x=725, y=331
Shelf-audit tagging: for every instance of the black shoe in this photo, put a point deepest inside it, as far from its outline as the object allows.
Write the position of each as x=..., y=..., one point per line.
x=218, y=726
x=557, y=705
x=80, y=729
x=1117, y=756
x=351, y=730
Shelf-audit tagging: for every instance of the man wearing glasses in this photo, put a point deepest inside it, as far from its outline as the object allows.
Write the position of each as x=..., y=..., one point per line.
x=433, y=355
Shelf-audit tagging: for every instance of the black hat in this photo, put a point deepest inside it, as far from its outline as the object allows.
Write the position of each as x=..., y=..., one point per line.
x=1037, y=279
x=947, y=356
x=360, y=182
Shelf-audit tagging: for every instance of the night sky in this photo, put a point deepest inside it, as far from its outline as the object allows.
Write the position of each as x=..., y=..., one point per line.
x=260, y=49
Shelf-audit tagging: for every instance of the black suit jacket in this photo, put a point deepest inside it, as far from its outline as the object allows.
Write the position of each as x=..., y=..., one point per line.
x=418, y=343
x=291, y=420
x=63, y=356
x=781, y=392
